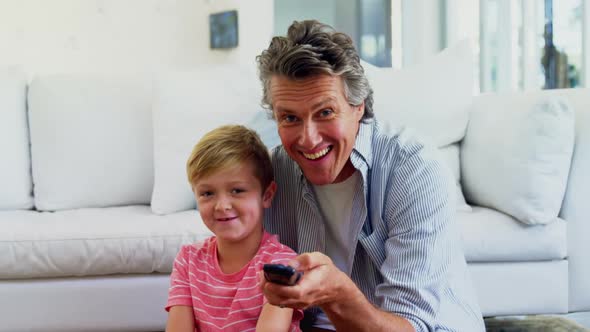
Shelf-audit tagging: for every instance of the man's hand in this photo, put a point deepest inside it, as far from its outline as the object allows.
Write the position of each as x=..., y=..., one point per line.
x=322, y=282
x=324, y=285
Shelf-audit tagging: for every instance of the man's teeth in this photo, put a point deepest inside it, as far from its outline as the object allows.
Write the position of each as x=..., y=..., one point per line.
x=317, y=155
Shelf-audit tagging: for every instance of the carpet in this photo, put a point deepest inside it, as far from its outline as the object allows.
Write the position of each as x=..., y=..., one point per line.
x=532, y=324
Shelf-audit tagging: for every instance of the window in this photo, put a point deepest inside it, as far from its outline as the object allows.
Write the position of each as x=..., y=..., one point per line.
x=518, y=44
x=528, y=44
x=367, y=22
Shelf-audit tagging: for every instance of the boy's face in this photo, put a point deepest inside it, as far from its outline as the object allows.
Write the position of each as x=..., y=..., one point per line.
x=231, y=202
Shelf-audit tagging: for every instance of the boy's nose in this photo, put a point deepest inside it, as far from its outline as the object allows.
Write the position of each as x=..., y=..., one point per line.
x=223, y=204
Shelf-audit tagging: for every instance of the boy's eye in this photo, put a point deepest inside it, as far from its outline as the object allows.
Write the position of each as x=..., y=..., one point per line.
x=237, y=191
x=205, y=194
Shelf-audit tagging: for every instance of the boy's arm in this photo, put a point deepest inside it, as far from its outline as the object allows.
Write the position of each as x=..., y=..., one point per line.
x=181, y=319
x=273, y=318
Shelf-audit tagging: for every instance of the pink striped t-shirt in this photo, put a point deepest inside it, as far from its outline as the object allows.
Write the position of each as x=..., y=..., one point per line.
x=224, y=302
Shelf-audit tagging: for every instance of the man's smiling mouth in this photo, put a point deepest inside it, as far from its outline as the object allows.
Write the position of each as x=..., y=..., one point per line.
x=317, y=155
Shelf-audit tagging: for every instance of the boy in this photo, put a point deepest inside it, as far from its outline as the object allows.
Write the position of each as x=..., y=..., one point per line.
x=214, y=285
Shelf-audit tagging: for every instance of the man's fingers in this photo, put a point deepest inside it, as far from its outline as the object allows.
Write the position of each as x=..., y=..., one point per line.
x=276, y=294
x=308, y=290
x=283, y=295
x=309, y=260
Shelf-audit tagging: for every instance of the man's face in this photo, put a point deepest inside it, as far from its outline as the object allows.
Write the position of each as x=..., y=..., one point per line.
x=317, y=126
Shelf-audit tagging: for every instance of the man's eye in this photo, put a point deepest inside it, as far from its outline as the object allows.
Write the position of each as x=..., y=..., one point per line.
x=289, y=118
x=326, y=113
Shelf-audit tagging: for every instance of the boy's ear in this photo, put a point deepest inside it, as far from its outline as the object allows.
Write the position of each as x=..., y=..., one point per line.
x=268, y=194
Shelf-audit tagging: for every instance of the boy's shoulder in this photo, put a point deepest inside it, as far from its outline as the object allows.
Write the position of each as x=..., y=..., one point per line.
x=273, y=251
x=201, y=248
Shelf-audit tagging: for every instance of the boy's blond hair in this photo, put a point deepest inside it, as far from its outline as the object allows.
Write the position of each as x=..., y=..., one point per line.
x=228, y=146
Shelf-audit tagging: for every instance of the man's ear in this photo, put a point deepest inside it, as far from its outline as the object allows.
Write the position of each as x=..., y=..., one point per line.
x=360, y=110
x=268, y=194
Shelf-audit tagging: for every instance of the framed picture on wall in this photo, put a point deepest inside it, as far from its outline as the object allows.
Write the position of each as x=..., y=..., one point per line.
x=223, y=29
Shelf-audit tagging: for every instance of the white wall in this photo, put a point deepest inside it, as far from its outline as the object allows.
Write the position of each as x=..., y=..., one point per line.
x=255, y=20
x=124, y=35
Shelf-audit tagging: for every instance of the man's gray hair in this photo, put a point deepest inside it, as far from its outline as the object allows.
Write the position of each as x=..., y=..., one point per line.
x=312, y=48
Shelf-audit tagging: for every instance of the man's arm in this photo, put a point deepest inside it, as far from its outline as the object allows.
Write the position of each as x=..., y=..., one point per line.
x=180, y=319
x=323, y=284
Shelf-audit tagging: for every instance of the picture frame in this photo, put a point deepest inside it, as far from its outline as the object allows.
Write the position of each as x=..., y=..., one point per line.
x=223, y=30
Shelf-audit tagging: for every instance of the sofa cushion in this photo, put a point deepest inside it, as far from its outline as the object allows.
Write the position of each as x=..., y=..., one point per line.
x=521, y=288
x=93, y=241
x=15, y=169
x=188, y=105
x=440, y=118
x=266, y=127
x=450, y=156
x=492, y=236
x=91, y=141
x=421, y=97
x=517, y=153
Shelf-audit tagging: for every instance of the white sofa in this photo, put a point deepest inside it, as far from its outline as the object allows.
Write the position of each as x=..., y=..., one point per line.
x=83, y=157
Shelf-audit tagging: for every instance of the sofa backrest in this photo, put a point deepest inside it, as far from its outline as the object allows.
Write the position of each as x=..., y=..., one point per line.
x=578, y=190
x=517, y=154
x=575, y=209
x=15, y=168
x=91, y=141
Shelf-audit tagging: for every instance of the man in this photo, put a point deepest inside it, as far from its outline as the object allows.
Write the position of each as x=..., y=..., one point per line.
x=368, y=211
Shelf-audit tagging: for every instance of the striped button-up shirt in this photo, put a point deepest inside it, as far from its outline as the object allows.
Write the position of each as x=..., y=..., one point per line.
x=407, y=257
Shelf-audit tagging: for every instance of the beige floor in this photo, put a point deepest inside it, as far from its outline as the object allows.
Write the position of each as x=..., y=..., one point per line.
x=580, y=320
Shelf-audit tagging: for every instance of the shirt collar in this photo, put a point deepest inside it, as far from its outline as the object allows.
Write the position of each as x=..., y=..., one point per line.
x=363, y=143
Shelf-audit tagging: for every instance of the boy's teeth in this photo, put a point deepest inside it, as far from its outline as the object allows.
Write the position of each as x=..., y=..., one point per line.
x=317, y=154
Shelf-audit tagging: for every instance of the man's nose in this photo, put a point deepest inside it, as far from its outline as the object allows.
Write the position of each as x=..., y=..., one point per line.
x=309, y=136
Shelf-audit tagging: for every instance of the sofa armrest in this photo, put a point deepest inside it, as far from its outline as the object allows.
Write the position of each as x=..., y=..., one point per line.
x=575, y=209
